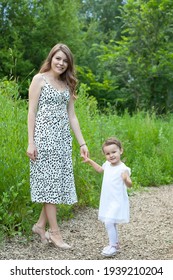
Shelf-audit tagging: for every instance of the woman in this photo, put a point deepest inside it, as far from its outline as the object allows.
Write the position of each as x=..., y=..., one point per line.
x=50, y=115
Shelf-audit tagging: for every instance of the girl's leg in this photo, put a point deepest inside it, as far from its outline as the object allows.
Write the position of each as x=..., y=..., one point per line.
x=117, y=241
x=112, y=234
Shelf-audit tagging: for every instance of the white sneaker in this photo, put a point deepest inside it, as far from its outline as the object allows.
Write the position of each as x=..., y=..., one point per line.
x=109, y=251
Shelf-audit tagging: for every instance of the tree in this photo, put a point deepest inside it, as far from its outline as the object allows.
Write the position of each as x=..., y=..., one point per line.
x=101, y=24
x=16, y=19
x=105, y=13
x=141, y=61
x=29, y=29
x=150, y=45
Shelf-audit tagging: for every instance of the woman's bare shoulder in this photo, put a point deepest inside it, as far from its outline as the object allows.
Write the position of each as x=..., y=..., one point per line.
x=38, y=80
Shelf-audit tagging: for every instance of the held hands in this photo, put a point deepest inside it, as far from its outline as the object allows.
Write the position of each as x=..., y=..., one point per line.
x=84, y=152
x=32, y=151
x=86, y=160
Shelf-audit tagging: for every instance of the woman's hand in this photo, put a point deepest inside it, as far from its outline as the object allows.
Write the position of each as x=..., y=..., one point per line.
x=84, y=152
x=32, y=151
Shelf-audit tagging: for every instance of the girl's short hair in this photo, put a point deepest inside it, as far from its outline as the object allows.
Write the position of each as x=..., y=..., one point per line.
x=111, y=141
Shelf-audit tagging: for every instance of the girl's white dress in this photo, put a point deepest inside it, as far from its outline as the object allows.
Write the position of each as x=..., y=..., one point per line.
x=114, y=201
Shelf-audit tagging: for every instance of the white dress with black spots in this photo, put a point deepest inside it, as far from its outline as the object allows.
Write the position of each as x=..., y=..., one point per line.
x=51, y=175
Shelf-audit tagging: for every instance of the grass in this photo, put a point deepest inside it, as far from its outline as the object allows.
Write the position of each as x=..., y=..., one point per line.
x=146, y=138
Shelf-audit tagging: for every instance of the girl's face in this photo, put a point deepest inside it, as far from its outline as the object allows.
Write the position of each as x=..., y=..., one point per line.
x=59, y=63
x=113, y=154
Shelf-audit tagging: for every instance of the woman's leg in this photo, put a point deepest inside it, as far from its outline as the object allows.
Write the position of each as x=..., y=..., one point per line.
x=39, y=227
x=51, y=212
x=53, y=233
x=42, y=219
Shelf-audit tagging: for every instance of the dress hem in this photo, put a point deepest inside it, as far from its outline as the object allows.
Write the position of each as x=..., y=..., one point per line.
x=66, y=203
x=116, y=221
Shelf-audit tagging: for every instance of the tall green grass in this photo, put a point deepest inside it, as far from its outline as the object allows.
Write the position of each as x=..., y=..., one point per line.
x=146, y=138
x=15, y=204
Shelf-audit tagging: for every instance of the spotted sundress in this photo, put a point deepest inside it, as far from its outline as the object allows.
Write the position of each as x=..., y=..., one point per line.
x=51, y=175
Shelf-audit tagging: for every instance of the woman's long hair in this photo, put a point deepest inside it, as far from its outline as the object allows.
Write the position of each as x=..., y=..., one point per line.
x=69, y=75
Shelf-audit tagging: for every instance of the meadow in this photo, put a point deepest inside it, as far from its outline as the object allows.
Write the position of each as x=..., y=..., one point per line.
x=146, y=138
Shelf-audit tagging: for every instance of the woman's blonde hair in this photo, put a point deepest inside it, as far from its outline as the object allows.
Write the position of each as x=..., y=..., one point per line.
x=69, y=75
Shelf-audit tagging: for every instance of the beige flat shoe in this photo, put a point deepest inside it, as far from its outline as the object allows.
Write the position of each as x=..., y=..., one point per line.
x=57, y=243
x=41, y=232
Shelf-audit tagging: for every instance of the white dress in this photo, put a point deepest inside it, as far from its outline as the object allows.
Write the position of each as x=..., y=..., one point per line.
x=114, y=201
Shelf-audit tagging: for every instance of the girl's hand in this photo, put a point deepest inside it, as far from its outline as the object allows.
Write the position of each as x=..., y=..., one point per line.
x=124, y=175
x=86, y=160
x=84, y=152
x=32, y=151
x=126, y=178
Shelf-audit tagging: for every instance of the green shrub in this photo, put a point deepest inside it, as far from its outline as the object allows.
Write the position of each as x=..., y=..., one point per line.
x=147, y=142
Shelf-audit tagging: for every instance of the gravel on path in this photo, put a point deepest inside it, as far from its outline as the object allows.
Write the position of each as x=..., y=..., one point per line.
x=148, y=236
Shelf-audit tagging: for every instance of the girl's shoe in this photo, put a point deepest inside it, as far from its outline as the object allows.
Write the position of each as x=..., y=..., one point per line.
x=51, y=237
x=41, y=232
x=109, y=251
x=117, y=246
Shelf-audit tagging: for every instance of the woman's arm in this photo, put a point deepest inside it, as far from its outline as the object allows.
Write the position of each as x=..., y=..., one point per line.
x=74, y=123
x=34, y=93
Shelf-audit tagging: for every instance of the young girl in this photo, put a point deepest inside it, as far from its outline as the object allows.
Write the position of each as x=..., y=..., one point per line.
x=114, y=203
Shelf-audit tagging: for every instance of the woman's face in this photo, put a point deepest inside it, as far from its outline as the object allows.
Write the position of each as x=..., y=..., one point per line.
x=59, y=63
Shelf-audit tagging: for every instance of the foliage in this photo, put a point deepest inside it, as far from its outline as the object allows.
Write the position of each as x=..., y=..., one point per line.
x=29, y=29
x=148, y=39
x=146, y=138
x=14, y=201
x=132, y=70
x=140, y=63
x=123, y=49
x=105, y=14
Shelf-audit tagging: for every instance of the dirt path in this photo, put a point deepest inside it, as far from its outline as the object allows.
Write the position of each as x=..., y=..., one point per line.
x=149, y=235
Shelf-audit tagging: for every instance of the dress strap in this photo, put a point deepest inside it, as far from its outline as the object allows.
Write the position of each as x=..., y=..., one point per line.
x=43, y=78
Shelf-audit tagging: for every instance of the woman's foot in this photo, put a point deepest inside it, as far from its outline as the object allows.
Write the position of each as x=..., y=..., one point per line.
x=55, y=238
x=41, y=232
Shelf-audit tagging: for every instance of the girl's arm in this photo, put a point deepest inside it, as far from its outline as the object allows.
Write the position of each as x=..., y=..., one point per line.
x=126, y=178
x=74, y=123
x=95, y=165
